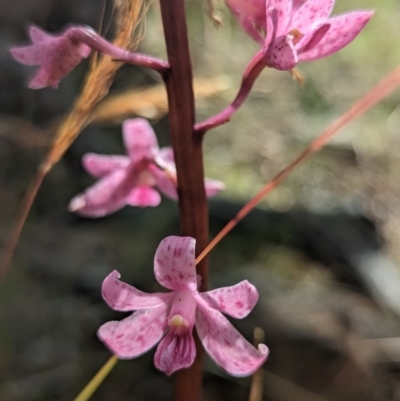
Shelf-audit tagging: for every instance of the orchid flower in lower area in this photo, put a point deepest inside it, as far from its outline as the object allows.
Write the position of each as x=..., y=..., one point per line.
x=297, y=30
x=130, y=180
x=170, y=317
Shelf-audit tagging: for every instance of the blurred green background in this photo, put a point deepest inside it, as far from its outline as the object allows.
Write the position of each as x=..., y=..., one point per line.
x=323, y=248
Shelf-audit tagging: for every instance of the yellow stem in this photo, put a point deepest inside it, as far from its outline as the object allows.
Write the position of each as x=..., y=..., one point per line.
x=93, y=385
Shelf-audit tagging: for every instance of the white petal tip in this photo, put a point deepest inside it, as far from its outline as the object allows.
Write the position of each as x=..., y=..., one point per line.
x=263, y=349
x=76, y=204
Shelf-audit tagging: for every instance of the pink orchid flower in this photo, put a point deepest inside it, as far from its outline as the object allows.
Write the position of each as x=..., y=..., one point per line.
x=129, y=180
x=170, y=317
x=298, y=30
x=308, y=33
x=56, y=55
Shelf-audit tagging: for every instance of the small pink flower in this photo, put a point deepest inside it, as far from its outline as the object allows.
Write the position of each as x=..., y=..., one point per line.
x=297, y=30
x=170, y=317
x=56, y=56
x=307, y=33
x=129, y=180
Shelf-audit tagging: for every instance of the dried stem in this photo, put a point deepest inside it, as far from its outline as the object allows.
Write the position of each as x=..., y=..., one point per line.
x=386, y=86
x=253, y=70
x=96, y=86
x=189, y=163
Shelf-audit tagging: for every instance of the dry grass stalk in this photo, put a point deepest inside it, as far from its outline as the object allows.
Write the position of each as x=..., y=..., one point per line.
x=129, y=15
x=98, y=81
x=150, y=102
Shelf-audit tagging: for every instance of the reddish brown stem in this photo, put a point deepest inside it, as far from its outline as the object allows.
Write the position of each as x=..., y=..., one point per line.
x=386, y=86
x=252, y=72
x=189, y=163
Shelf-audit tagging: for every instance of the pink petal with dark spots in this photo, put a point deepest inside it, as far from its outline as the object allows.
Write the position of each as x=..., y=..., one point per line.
x=236, y=301
x=143, y=196
x=250, y=15
x=27, y=55
x=136, y=334
x=271, y=15
x=165, y=172
x=284, y=12
x=296, y=4
x=139, y=138
x=106, y=196
x=57, y=55
x=312, y=39
x=343, y=30
x=167, y=184
x=312, y=14
x=225, y=345
x=174, y=265
x=101, y=165
x=282, y=54
x=123, y=297
x=38, y=35
x=175, y=351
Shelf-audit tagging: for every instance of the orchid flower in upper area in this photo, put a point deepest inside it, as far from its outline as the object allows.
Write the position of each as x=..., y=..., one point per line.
x=297, y=30
x=129, y=180
x=57, y=56
x=170, y=317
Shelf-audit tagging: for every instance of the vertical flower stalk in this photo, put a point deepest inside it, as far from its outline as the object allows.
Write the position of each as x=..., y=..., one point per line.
x=189, y=163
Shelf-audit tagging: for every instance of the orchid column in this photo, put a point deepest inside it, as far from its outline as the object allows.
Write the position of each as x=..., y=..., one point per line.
x=189, y=163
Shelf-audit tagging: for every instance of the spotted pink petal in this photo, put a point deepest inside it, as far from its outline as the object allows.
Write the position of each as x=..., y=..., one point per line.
x=296, y=4
x=271, y=15
x=250, y=15
x=143, y=196
x=282, y=54
x=166, y=185
x=174, y=265
x=226, y=346
x=312, y=14
x=175, y=351
x=236, y=301
x=101, y=165
x=312, y=39
x=123, y=297
x=140, y=139
x=284, y=12
x=38, y=35
x=136, y=334
x=27, y=55
x=105, y=196
x=56, y=55
x=166, y=179
x=343, y=30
